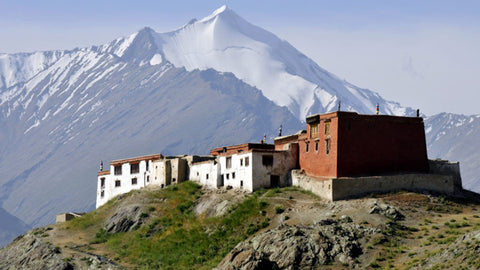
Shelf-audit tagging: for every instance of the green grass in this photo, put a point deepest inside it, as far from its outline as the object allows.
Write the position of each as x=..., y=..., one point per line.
x=172, y=237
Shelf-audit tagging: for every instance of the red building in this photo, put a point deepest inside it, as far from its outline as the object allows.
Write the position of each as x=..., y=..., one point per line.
x=343, y=144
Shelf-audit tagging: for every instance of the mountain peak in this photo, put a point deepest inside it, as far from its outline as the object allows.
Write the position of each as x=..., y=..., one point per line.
x=223, y=11
x=219, y=10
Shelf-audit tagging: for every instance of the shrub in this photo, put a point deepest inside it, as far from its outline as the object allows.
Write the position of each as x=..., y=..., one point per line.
x=279, y=210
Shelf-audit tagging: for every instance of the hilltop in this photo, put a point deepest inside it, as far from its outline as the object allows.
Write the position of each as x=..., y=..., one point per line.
x=185, y=227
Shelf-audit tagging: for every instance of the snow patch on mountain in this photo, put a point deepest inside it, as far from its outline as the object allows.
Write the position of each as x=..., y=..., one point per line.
x=227, y=43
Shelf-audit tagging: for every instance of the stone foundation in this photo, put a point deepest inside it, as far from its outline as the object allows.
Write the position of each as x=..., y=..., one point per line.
x=351, y=187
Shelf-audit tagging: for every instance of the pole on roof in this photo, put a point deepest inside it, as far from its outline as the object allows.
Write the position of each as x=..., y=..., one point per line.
x=378, y=108
x=339, y=104
x=280, y=131
x=418, y=112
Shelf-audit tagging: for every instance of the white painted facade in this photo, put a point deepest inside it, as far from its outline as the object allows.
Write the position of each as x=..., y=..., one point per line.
x=248, y=167
x=119, y=182
x=206, y=173
x=236, y=171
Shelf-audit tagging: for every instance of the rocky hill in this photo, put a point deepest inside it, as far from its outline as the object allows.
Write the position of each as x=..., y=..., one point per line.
x=186, y=227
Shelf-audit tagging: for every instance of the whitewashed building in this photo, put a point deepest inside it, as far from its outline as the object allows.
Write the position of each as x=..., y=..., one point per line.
x=253, y=166
x=124, y=175
x=247, y=166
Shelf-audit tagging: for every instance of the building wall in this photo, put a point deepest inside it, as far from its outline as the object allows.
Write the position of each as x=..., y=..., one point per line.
x=362, y=145
x=444, y=167
x=351, y=187
x=265, y=176
x=206, y=173
x=318, y=162
x=238, y=175
x=356, y=187
x=110, y=190
x=380, y=144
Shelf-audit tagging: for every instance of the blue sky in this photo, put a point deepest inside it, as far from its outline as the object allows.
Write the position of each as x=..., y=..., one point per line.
x=423, y=54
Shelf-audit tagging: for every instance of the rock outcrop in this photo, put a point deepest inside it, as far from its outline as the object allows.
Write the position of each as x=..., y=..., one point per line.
x=299, y=247
x=32, y=252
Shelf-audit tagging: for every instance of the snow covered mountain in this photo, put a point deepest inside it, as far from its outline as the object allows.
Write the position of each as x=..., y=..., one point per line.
x=215, y=81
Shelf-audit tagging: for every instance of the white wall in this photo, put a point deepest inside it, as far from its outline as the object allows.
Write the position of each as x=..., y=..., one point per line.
x=237, y=173
x=125, y=179
x=199, y=172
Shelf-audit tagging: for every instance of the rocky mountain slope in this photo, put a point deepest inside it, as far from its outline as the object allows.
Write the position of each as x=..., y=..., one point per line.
x=215, y=81
x=184, y=227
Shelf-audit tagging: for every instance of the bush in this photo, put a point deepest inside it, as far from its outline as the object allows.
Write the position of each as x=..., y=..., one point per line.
x=279, y=210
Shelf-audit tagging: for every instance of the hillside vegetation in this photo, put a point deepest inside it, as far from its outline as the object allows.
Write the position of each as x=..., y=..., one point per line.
x=187, y=227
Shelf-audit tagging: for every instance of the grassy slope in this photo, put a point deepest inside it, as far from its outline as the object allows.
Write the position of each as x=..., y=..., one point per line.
x=173, y=237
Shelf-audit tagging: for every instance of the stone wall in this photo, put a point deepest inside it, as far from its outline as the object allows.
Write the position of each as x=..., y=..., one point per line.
x=351, y=187
x=445, y=167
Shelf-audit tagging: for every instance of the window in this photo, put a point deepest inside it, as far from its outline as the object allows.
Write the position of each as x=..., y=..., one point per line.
x=148, y=178
x=327, y=146
x=118, y=170
x=241, y=183
x=198, y=173
x=102, y=182
x=206, y=176
x=134, y=168
x=307, y=147
x=327, y=127
x=247, y=161
x=241, y=162
x=316, y=146
x=102, y=194
x=228, y=176
x=134, y=181
x=229, y=162
x=267, y=160
x=117, y=183
x=147, y=165
x=233, y=175
x=314, y=130
x=174, y=180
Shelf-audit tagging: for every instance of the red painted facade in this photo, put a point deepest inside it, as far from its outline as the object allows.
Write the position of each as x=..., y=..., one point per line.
x=343, y=144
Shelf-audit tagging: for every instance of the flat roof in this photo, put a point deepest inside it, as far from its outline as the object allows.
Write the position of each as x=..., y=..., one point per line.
x=246, y=147
x=136, y=159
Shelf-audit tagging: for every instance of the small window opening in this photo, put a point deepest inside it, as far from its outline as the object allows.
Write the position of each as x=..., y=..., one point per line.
x=327, y=128
x=134, y=168
x=314, y=130
x=118, y=183
x=241, y=183
x=228, y=176
x=241, y=162
x=134, y=181
x=267, y=160
x=148, y=178
x=102, y=182
x=147, y=165
x=327, y=146
x=316, y=146
x=233, y=175
x=229, y=162
x=206, y=176
x=118, y=170
x=307, y=147
x=102, y=194
x=247, y=161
